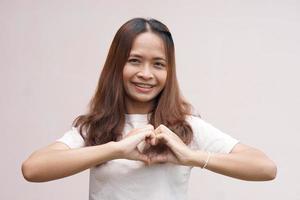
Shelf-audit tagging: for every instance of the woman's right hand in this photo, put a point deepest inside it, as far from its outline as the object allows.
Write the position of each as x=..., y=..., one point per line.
x=128, y=145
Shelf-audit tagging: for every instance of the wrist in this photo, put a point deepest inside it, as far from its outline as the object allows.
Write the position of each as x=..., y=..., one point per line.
x=199, y=158
x=117, y=151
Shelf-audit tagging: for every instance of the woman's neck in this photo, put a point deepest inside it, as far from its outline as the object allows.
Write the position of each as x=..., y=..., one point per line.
x=138, y=107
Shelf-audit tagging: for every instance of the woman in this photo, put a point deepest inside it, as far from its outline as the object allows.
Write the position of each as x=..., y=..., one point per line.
x=139, y=137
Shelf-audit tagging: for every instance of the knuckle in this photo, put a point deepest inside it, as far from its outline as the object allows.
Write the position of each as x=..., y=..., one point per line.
x=150, y=126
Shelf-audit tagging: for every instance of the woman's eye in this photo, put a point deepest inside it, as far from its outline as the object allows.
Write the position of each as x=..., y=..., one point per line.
x=160, y=65
x=134, y=61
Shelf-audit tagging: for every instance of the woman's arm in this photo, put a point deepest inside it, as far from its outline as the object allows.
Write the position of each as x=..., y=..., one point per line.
x=58, y=160
x=243, y=162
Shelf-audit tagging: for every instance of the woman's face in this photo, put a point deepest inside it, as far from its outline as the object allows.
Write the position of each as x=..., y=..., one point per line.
x=145, y=72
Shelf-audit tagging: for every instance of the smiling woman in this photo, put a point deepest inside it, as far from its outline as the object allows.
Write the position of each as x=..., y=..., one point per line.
x=140, y=138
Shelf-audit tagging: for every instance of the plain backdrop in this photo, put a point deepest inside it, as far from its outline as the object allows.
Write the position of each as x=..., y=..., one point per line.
x=237, y=63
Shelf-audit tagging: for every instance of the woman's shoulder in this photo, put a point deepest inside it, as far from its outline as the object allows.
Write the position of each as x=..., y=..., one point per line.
x=72, y=138
x=198, y=124
x=194, y=120
x=76, y=130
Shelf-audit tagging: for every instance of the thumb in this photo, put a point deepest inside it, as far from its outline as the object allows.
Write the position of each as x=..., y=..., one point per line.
x=143, y=158
x=160, y=158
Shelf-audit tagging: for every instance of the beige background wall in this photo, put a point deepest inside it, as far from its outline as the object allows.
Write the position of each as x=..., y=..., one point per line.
x=238, y=64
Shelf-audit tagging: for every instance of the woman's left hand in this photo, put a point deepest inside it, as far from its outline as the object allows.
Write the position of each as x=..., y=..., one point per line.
x=179, y=152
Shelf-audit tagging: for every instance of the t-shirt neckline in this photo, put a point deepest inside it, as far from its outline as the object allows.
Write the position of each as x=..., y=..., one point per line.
x=137, y=117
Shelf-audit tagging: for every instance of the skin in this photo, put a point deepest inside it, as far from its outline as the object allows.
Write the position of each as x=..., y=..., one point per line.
x=58, y=160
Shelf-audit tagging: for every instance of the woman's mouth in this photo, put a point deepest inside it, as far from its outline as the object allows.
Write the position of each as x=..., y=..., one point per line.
x=142, y=87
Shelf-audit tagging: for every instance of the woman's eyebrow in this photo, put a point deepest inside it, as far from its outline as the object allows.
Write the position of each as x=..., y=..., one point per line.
x=155, y=58
x=135, y=55
x=159, y=58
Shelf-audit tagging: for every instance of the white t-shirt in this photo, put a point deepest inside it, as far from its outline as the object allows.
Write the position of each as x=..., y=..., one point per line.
x=123, y=179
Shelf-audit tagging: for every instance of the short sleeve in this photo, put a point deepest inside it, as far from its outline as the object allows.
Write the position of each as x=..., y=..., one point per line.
x=72, y=138
x=209, y=138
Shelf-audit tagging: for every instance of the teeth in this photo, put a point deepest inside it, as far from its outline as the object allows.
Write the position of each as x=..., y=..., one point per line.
x=143, y=85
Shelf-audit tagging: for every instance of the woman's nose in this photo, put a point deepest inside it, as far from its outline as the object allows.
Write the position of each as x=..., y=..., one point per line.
x=145, y=72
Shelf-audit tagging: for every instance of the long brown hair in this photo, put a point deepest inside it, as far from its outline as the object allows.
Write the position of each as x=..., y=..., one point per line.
x=104, y=122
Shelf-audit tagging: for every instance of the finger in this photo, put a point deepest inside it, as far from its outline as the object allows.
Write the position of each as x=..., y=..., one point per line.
x=161, y=129
x=143, y=140
x=150, y=141
x=169, y=141
x=149, y=126
x=144, y=158
x=138, y=138
x=141, y=146
x=165, y=130
x=161, y=158
x=158, y=130
x=153, y=141
x=150, y=135
x=145, y=133
x=137, y=130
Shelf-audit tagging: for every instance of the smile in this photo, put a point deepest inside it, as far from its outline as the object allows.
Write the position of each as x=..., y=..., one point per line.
x=143, y=85
x=144, y=88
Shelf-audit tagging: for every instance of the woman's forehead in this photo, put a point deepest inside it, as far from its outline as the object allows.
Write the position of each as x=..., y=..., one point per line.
x=148, y=44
